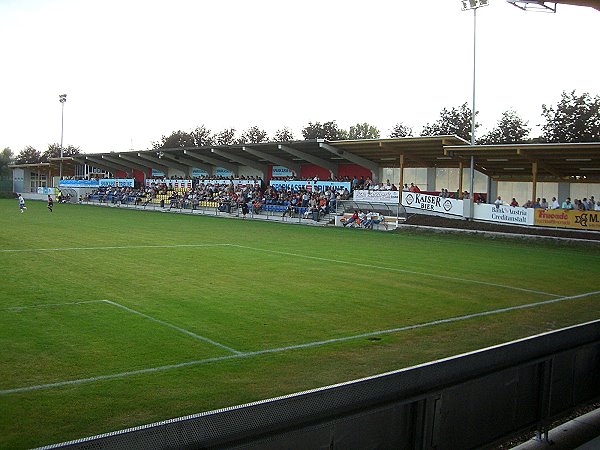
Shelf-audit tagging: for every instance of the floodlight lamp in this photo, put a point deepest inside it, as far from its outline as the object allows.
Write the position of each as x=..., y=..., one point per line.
x=474, y=4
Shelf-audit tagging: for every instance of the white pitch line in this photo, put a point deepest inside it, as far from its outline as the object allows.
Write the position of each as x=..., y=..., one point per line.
x=120, y=247
x=47, y=305
x=288, y=348
x=394, y=269
x=174, y=327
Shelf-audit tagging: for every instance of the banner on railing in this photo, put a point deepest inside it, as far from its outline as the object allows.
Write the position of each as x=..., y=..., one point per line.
x=280, y=171
x=116, y=182
x=434, y=203
x=506, y=214
x=559, y=218
x=226, y=182
x=171, y=184
x=363, y=195
x=78, y=183
x=309, y=185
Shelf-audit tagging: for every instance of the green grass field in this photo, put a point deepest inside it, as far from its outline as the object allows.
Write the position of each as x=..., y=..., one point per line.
x=111, y=318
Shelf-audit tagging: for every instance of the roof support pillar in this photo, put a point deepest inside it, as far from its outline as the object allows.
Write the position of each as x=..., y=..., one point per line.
x=534, y=176
x=401, y=187
x=460, y=177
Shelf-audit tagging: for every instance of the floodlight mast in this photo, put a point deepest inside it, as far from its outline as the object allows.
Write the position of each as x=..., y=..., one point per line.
x=62, y=99
x=473, y=5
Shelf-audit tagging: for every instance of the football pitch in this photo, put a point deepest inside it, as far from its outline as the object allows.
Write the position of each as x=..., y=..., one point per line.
x=112, y=318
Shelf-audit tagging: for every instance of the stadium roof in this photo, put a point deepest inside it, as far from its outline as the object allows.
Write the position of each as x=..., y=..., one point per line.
x=551, y=162
x=518, y=161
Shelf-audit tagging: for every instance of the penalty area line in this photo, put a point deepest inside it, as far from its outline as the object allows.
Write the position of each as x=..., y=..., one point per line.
x=49, y=305
x=240, y=355
x=174, y=327
x=119, y=247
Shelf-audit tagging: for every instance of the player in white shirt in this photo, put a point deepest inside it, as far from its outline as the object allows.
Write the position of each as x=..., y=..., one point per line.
x=22, y=206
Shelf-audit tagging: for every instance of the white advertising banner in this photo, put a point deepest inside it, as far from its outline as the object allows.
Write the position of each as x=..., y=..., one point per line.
x=376, y=196
x=432, y=203
x=171, y=184
x=506, y=214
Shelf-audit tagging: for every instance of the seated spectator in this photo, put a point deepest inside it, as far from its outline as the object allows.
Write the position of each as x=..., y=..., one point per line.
x=514, y=203
x=555, y=204
x=498, y=202
x=567, y=204
x=544, y=204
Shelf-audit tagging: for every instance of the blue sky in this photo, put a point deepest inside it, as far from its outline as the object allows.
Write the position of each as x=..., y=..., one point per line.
x=136, y=70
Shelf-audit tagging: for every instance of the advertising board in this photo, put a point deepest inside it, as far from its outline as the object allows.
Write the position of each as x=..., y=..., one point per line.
x=432, y=203
x=505, y=214
x=116, y=182
x=559, y=218
x=376, y=196
x=309, y=185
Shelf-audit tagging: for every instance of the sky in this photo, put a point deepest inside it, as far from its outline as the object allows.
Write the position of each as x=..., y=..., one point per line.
x=135, y=70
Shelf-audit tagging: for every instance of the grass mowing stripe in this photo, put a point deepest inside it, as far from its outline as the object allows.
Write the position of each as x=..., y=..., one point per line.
x=174, y=327
x=48, y=305
x=120, y=247
x=394, y=269
x=240, y=355
x=317, y=258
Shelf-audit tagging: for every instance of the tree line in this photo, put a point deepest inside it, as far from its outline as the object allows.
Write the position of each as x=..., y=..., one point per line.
x=575, y=118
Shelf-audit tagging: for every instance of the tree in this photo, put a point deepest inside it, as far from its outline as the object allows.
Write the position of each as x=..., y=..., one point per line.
x=225, y=137
x=283, y=135
x=54, y=152
x=363, y=131
x=202, y=137
x=175, y=140
x=575, y=119
x=253, y=135
x=327, y=130
x=28, y=155
x=6, y=157
x=456, y=121
x=511, y=129
x=401, y=130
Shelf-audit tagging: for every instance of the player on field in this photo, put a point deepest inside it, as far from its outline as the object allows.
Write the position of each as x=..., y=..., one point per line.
x=50, y=203
x=22, y=206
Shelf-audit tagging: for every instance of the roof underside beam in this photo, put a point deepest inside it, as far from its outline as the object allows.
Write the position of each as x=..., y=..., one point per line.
x=310, y=158
x=209, y=168
x=120, y=162
x=165, y=162
x=363, y=162
x=142, y=164
x=274, y=159
x=241, y=160
x=102, y=164
x=214, y=161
